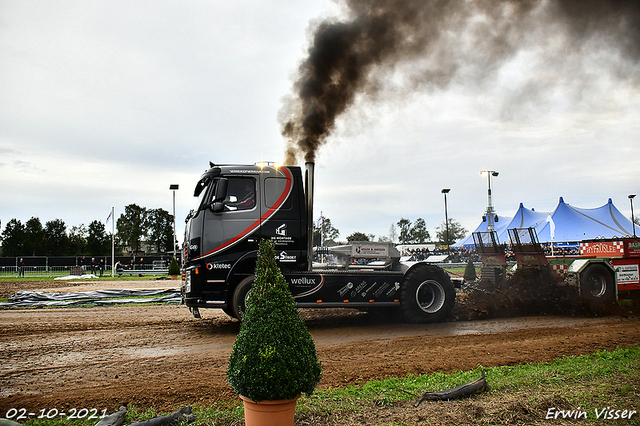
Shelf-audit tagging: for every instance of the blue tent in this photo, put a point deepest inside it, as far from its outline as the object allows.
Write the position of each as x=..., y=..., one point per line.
x=570, y=224
x=500, y=225
x=524, y=218
x=577, y=224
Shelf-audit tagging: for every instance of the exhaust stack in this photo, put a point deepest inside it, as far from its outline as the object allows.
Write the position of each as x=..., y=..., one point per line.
x=310, y=167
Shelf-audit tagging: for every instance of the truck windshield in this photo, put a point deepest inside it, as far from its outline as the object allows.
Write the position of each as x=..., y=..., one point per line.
x=204, y=188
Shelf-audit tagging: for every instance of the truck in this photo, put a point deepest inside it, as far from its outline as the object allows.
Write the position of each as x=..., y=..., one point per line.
x=239, y=205
x=600, y=272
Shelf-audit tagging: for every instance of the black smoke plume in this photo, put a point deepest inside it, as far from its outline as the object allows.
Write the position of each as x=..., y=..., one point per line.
x=418, y=44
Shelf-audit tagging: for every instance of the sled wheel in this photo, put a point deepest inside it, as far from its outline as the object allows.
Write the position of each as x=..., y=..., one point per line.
x=427, y=294
x=596, y=286
x=240, y=296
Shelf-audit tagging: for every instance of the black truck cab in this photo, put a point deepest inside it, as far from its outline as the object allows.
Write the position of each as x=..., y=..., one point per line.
x=238, y=205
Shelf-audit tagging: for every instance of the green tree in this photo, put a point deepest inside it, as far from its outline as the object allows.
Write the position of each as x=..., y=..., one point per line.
x=160, y=230
x=274, y=355
x=469, y=272
x=419, y=233
x=456, y=232
x=56, y=240
x=13, y=238
x=324, y=232
x=393, y=234
x=132, y=226
x=174, y=268
x=413, y=233
x=33, y=238
x=405, y=230
x=358, y=236
x=78, y=239
x=98, y=242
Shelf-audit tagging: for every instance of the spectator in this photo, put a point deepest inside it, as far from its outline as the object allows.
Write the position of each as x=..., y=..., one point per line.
x=21, y=268
x=119, y=268
x=101, y=266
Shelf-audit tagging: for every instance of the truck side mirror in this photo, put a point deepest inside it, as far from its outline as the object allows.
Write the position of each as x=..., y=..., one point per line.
x=221, y=190
x=217, y=204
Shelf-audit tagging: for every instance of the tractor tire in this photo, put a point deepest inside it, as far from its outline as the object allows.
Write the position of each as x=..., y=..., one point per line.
x=597, y=286
x=427, y=294
x=240, y=296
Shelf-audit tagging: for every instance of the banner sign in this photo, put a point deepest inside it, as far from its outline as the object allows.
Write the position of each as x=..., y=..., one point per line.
x=602, y=249
x=370, y=250
x=632, y=247
x=627, y=273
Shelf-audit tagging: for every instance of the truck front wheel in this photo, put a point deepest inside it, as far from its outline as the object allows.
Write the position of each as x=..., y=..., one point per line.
x=596, y=286
x=427, y=294
x=240, y=296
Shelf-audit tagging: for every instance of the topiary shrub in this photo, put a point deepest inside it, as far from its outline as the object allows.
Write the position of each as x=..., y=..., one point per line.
x=174, y=269
x=469, y=272
x=274, y=356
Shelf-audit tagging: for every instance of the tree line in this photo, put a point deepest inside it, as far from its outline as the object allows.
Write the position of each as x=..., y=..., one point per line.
x=136, y=228
x=403, y=232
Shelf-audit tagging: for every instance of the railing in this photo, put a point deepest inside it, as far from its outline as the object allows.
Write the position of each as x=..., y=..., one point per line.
x=55, y=271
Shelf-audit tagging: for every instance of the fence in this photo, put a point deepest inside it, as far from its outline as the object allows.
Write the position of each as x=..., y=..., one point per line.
x=35, y=266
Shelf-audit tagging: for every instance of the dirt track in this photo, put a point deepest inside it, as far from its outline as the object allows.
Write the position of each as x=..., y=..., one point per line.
x=160, y=356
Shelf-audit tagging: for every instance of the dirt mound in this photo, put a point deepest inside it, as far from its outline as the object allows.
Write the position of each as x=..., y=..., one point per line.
x=529, y=291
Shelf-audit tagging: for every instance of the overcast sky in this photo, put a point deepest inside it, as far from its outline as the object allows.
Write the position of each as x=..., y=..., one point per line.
x=107, y=103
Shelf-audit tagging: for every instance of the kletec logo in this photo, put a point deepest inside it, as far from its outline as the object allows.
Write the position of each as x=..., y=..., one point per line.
x=211, y=266
x=282, y=230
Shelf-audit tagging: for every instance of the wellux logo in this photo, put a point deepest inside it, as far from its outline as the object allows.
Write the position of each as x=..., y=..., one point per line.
x=303, y=281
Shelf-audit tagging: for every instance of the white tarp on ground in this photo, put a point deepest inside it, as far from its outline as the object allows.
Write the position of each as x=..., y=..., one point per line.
x=24, y=299
x=569, y=224
x=76, y=277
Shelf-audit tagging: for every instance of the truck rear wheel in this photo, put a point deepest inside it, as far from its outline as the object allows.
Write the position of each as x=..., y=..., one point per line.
x=597, y=286
x=427, y=294
x=240, y=296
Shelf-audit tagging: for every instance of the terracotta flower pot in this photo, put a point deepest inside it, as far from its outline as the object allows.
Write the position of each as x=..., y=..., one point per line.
x=269, y=413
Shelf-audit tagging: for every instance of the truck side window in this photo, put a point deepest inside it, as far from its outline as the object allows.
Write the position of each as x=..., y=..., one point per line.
x=273, y=188
x=241, y=194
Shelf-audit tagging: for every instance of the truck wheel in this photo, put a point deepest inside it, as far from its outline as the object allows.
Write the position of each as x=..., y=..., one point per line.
x=240, y=295
x=596, y=286
x=427, y=294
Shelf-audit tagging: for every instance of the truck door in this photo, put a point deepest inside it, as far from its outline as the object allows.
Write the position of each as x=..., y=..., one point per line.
x=230, y=222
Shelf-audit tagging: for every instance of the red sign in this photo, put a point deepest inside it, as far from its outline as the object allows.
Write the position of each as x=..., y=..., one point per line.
x=627, y=273
x=602, y=249
x=632, y=247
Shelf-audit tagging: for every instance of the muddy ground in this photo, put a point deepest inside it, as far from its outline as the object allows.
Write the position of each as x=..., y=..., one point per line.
x=104, y=357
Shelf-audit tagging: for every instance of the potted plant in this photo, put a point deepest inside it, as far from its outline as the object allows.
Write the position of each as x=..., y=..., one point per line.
x=274, y=357
x=174, y=269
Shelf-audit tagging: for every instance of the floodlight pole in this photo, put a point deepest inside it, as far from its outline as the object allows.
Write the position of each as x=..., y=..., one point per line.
x=445, y=191
x=113, y=242
x=633, y=220
x=174, y=187
x=489, y=173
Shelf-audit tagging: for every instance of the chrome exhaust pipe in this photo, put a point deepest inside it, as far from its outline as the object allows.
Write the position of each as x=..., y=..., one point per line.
x=310, y=168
